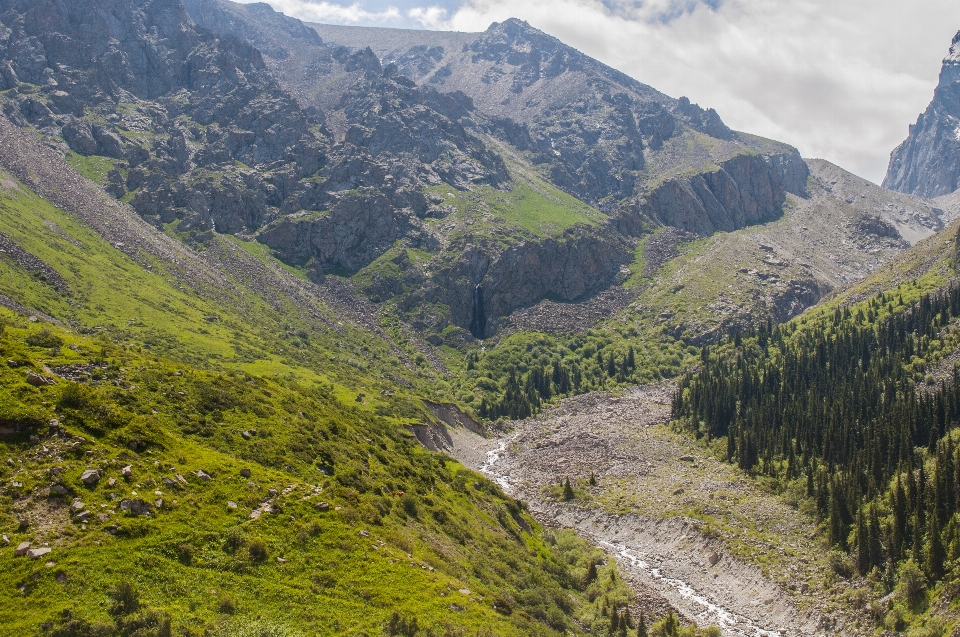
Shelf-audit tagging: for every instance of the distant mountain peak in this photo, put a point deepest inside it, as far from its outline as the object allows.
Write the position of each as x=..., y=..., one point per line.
x=927, y=163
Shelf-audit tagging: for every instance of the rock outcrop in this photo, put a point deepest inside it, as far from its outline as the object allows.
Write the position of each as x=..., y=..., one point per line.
x=927, y=163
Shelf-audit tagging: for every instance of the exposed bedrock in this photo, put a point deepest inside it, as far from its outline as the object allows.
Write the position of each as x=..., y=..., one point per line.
x=744, y=190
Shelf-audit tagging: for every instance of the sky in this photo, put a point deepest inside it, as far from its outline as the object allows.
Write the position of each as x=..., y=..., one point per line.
x=839, y=79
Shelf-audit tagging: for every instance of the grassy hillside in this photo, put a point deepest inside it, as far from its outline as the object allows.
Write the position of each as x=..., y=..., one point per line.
x=203, y=542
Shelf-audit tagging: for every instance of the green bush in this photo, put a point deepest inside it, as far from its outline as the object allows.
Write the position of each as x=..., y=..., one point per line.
x=257, y=551
x=911, y=582
x=44, y=338
x=125, y=598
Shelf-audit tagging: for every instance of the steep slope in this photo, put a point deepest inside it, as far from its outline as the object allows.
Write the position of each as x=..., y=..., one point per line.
x=594, y=131
x=584, y=130
x=927, y=163
x=158, y=498
x=852, y=408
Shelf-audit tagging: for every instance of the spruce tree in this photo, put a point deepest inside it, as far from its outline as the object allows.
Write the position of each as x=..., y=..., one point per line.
x=937, y=555
x=863, y=545
x=642, y=626
x=567, y=490
x=591, y=573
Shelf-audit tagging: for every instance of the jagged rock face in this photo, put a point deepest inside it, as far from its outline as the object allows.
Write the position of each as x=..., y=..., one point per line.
x=184, y=108
x=586, y=124
x=745, y=190
x=236, y=118
x=927, y=163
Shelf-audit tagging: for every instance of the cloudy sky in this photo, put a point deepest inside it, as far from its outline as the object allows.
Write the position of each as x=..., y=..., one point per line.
x=839, y=79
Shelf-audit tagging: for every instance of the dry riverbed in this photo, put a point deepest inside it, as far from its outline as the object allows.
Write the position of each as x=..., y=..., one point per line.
x=687, y=530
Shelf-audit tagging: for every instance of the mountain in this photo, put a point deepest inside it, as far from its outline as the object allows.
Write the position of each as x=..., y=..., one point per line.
x=260, y=277
x=927, y=163
x=577, y=127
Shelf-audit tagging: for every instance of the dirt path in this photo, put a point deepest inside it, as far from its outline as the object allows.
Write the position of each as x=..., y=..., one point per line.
x=662, y=552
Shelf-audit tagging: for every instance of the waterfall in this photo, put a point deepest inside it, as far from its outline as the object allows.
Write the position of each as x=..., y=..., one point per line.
x=478, y=325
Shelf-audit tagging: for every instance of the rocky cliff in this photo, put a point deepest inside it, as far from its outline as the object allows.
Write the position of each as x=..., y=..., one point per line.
x=927, y=163
x=461, y=175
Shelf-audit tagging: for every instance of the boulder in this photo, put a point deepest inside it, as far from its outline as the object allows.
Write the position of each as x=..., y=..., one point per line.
x=22, y=549
x=127, y=472
x=244, y=473
x=203, y=475
x=321, y=506
x=90, y=477
x=39, y=381
x=39, y=552
x=687, y=458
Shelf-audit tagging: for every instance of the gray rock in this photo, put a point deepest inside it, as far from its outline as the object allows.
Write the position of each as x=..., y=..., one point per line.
x=59, y=489
x=90, y=477
x=38, y=552
x=203, y=475
x=244, y=473
x=39, y=381
x=5, y=540
x=135, y=507
x=21, y=549
x=927, y=163
x=127, y=472
x=322, y=506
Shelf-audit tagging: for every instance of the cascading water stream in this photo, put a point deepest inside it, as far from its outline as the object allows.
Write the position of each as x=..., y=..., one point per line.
x=478, y=324
x=706, y=611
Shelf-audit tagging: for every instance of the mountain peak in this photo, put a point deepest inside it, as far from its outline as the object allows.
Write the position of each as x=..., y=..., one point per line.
x=927, y=163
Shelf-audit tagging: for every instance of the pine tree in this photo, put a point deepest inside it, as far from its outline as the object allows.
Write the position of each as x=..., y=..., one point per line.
x=874, y=533
x=937, y=555
x=567, y=490
x=591, y=573
x=642, y=626
x=863, y=546
x=614, y=621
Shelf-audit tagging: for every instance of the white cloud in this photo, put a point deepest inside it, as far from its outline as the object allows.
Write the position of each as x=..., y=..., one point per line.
x=429, y=17
x=332, y=12
x=839, y=79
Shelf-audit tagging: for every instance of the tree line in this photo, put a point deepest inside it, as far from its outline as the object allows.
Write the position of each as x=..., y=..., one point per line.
x=837, y=404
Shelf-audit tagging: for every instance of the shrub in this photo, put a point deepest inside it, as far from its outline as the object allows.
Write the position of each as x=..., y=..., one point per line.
x=258, y=551
x=44, y=338
x=226, y=605
x=911, y=582
x=233, y=540
x=185, y=554
x=409, y=504
x=69, y=626
x=402, y=625
x=126, y=598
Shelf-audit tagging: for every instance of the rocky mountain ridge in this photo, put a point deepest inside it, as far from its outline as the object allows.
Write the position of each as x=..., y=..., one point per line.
x=399, y=167
x=927, y=163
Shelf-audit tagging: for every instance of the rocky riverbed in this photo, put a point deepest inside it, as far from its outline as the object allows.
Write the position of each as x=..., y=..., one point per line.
x=647, y=479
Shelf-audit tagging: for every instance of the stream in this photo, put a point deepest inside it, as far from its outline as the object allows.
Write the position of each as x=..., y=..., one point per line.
x=662, y=558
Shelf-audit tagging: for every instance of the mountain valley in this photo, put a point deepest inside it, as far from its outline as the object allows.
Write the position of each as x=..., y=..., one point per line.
x=310, y=329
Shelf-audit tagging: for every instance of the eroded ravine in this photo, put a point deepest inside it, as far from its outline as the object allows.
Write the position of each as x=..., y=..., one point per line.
x=666, y=558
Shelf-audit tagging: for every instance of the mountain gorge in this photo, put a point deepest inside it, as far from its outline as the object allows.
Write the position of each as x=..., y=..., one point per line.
x=276, y=296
